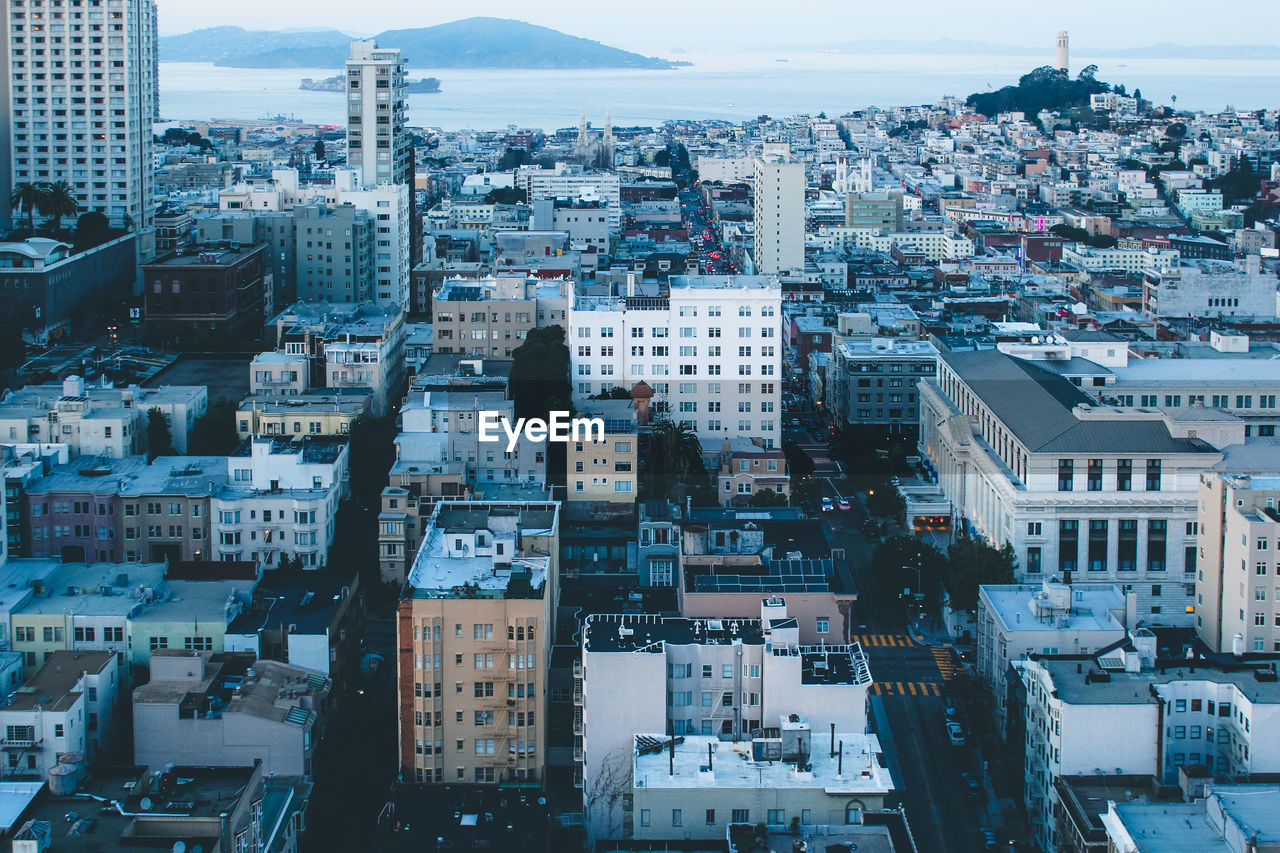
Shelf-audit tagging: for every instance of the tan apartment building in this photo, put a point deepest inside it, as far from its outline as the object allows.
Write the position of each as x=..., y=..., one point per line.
x=407, y=505
x=605, y=469
x=329, y=413
x=1238, y=569
x=474, y=626
x=487, y=317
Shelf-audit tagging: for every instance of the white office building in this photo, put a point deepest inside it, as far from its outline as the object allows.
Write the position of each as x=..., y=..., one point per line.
x=79, y=100
x=710, y=348
x=1106, y=494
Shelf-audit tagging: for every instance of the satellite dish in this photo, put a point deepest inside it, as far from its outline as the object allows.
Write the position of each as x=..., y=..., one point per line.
x=179, y=847
x=146, y=804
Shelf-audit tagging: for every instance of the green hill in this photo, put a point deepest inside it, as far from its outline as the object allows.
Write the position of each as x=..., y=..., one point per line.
x=469, y=43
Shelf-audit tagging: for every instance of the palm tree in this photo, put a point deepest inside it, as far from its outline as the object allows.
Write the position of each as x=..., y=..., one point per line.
x=27, y=196
x=59, y=201
x=672, y=451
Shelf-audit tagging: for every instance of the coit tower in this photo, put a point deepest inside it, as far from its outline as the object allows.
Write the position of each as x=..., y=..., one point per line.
x=1062, y=51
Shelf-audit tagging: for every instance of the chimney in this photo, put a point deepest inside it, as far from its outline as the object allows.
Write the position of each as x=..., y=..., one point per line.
x=833, y=740
x=840, y=760
x=671, y=756
x=710, y=763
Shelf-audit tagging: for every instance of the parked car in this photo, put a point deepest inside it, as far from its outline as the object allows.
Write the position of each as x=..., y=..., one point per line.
x=949, y=709
x=971, y=783
x=955, y=734
x=827, y=506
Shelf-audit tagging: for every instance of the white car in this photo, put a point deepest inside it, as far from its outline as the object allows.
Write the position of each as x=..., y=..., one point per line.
x=955, y=734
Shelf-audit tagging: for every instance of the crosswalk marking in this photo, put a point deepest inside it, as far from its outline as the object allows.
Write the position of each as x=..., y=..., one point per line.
x=945, y=662
x=906, y=688
x=882, y=639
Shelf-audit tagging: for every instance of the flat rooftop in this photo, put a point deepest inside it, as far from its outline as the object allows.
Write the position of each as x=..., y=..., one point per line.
x=435, y=570
x=1090, y=606
x=857, y=769
x=53, y=686
x=1134, y=688
x=78, y=588
x=725, y=282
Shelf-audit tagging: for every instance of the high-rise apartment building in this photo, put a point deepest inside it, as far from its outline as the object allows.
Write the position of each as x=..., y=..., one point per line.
x=779, y=183
x=1238, y=605
x=709, y=347
x=377, y=143
x=80, y=102
x=474, y=626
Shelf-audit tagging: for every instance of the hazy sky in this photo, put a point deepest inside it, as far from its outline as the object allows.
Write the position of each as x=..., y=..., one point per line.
x=656, y=26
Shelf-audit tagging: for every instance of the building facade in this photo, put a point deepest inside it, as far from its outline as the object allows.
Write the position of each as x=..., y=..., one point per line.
x=377, y=143
x=778, y=182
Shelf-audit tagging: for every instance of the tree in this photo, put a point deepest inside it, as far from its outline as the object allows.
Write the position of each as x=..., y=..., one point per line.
x=883, y=500
x=214, y=432
x=59, y=201
x=540, y=374
x=92, y=229
x=1070, y=232
x=318, y=152
x=27, y=196
x=159, y=437
x=799, y=463
x=617, y=392
x=1102, y=241
x=670, y=454
x=971, y=562
x=767, y=498
x=512, y=158
x=505, y=195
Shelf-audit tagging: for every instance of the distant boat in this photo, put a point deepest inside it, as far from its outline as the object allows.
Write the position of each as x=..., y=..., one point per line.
x=780, y=60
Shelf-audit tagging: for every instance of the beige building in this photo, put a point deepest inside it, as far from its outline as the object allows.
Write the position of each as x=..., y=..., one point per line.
x=474, y=626
x=330, y=413
x=488, y=317
x=1237, y=597
x=744, y=466
x=779, y=183
x=605, y=470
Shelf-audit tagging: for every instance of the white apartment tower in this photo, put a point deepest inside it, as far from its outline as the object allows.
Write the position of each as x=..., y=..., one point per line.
x=779, y=212
x=709, y=347
x=377, y=144
x=80, y=102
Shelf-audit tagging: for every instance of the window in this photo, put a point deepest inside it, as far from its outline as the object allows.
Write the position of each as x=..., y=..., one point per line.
x=1095, y=475
x=1033, y=528
x=1153, y=475
x=1066, y=475
x=1157, y=531
x=711, y=817
x=824, y=625
x=1097, y=545
x=644, y=817
x=742, y=815
x=776, y=817
x=1033, y=560
x=1068, y=544
x=677, y=817
x=1127, y=553
x=1124, y=475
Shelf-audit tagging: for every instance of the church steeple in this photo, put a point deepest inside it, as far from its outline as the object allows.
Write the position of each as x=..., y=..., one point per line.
x=583, y=139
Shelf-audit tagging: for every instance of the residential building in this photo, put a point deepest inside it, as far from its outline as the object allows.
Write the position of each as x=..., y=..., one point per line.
x=280, y=500
x=1145, y=712
x=1237, y=606
x=347, y=346
x=574, y=183
x=744, y=467
x=80, y=607
x=336, y=248
x=190, y=614
x=322, y=413
x=874, y=382
x=778, y=183
x=42, y=281
x=709, y=348
x=315, y=622
x=228, y=710
x=210, y=291
x=1015, y=621
x=475, y=631
x=605, y=469
x=1107, y=494
x=24, y=464
x=99, y=420
x=279, y=374
x=698, y=786
x=722, y=679
x=486, y=317
x=44, y=48
x=377, y=142
x=1227, y=819
x=275, y=229
x=65, y=707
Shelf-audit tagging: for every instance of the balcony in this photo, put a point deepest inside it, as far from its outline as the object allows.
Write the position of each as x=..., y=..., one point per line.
x=577, y=669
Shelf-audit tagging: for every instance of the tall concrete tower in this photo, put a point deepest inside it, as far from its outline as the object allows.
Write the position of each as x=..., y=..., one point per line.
x=1062, y=51
x=377, y=143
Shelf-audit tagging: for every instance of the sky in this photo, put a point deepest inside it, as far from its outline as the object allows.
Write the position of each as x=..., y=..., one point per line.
x=655, y=27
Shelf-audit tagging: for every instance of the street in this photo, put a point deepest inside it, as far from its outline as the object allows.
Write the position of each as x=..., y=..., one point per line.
x=908, y=699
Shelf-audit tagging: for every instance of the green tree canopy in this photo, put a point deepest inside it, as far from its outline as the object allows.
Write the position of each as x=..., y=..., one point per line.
x=214, y=432
x=971, y=562
x=159, y=436
x=670, y=457
x=540, y=374
x=1044, y=88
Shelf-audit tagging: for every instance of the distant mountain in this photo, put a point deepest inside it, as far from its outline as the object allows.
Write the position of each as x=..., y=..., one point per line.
x=469, y=43
x=1164, y=50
